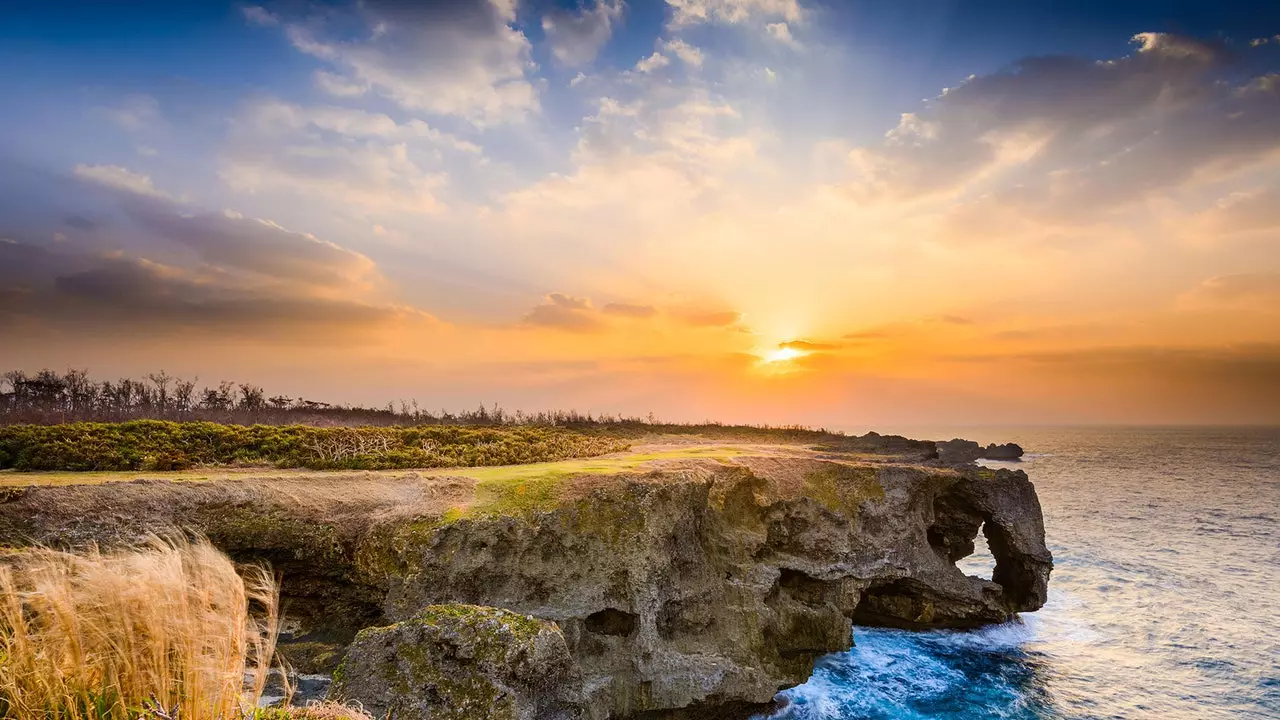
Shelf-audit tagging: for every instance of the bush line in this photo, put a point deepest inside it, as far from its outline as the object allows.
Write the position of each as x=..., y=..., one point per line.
x=168, y=445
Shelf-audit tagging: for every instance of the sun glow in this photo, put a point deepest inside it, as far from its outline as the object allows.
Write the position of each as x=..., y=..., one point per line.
x=782, y=354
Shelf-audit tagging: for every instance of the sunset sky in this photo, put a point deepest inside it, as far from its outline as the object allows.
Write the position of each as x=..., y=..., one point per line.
x=852, y=214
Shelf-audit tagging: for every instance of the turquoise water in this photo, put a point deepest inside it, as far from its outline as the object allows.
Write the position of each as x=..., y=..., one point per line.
x=1164, y=602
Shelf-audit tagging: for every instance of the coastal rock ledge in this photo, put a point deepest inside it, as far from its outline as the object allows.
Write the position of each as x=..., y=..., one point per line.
x=690, y=588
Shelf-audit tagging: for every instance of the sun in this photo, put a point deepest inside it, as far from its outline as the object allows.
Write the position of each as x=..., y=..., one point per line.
x=783, y=354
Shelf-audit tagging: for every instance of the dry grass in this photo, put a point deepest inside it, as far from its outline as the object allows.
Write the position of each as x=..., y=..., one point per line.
x=171, y=625
x=327, y=710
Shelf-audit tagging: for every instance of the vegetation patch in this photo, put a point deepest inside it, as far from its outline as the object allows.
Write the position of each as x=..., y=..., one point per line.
x=843, y=488
x=523, y=490
x=170, y=629
x=165, y=445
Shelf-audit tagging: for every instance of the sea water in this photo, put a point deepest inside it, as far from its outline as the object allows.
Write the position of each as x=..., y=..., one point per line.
x=1164, y=600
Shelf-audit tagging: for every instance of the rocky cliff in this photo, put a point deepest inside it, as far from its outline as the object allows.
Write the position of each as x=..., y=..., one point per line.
x=686, y=587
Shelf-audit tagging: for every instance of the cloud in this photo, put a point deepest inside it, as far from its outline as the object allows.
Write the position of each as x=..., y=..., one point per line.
x=339, y=86
x=42, y=291
x=576, y=38
x=691, y=12
x=652, y=62
x=79, y=223
x=135, y=112
x=119, y=178
x=807, y=345
x=708, y=318
x=176, y=268
x=781, y=32
x=630, y=311
x=348, y=156
x=1248, y=292
x=229, y=240
x=1242, y=212
x=462, y=59
x=687, y=53
x=564, y=312
x=1075, y=137
x=258, y=15
x=578, y=314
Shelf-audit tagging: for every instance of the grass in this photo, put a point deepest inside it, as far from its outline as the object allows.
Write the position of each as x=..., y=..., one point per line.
x=522, y=489
x=168, y=628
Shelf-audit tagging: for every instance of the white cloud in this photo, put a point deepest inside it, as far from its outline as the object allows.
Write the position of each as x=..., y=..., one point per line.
x=258, y=15
x=462, y=59
x=689, y=12
x=782, y=33
x=656, y=61
x=352, y=157
x=338, y=86
x=687, y=53
x=576, y=38
x=119, y=178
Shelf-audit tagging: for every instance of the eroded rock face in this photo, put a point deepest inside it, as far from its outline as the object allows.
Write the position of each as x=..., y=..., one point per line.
x=725, y=584
x=698, y=589
x=461, y=662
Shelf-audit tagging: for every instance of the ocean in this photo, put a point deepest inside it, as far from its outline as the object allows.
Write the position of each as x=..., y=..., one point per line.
x=1164, y=600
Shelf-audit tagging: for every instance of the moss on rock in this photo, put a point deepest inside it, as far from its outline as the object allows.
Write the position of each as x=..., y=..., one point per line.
x=460, y=662
x=843, y=488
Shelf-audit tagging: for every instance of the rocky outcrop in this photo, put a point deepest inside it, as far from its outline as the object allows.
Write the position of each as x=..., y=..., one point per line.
x=1008, y=451
x=458, y=662
x=696, y=588
x=958, y=452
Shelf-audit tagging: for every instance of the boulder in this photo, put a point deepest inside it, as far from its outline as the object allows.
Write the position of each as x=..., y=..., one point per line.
x=1007, y=451
x=958, y=452
x=461, y=662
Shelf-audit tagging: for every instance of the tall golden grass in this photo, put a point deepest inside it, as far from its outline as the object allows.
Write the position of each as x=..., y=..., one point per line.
x=171, y=626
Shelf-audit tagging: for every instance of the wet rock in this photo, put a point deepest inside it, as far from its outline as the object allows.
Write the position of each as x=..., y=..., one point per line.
x=461, y=662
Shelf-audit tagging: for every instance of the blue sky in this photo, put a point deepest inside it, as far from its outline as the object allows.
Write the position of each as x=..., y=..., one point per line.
x=591, y=188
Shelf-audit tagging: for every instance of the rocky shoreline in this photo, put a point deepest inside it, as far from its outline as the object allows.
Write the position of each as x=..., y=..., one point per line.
x=679, y=586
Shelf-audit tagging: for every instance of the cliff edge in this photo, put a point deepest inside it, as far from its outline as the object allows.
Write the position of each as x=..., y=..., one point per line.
x=688, y=581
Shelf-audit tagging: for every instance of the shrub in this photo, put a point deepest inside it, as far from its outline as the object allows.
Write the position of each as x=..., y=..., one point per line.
x=166, y=445
x=166, y=629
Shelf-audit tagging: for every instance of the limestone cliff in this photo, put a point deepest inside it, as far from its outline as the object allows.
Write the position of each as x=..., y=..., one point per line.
x=689, y=587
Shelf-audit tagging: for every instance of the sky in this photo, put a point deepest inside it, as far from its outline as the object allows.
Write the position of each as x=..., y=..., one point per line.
x=841, y=214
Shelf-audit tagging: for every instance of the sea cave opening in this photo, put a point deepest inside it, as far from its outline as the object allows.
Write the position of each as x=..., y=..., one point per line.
x=980, y=563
